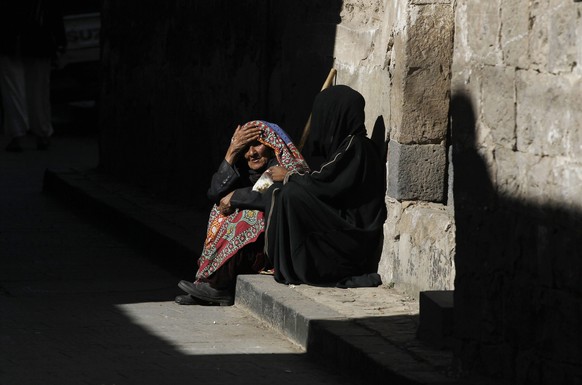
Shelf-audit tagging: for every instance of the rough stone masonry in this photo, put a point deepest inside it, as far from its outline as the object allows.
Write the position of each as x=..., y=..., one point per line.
x=516, y=134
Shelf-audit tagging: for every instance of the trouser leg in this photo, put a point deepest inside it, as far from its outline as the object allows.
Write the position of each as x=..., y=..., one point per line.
x=13, y=93
x=37, y=73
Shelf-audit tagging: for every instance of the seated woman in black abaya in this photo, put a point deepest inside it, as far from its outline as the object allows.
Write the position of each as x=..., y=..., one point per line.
x=326, y=227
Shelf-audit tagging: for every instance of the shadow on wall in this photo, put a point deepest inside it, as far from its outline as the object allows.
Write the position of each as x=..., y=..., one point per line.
x=518, y=286
x=378, y=137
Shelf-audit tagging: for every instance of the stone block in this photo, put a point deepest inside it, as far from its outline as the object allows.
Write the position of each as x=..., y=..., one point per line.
x=547, y=115
x=538, y=34
x=569, y=189
x=515, y=32
x=421, y=75
x=436, y=318
x=462, y=50
x=354, y=44
x=554, y=36
x=498, y=103
x=538, y=180
x=482, y=31
x=525, y=177
x=416, y=172
x=425, y=248
x=562, y=37
x=278, y=306
x=510, y=168
x=424, y=2
x=387, y=266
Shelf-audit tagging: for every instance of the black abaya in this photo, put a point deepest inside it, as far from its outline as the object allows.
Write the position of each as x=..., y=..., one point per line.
x=327, y=226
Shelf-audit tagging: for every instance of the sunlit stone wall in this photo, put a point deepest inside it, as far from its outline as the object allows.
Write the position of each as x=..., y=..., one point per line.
x=517, y=139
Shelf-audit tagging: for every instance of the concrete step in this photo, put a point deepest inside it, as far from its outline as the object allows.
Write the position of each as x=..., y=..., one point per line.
x=436, y=318
x=351, y=344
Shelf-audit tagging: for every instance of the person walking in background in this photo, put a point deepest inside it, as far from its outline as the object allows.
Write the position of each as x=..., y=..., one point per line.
x=31, y=34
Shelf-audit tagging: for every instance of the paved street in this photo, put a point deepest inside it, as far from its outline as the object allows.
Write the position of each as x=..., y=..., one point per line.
x=79, y=304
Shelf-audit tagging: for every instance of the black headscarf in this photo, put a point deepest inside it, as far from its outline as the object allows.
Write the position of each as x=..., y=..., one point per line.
x=338, y=112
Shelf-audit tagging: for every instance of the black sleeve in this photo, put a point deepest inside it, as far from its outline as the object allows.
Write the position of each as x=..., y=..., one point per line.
x=246, y=198
x=228, y=178
x=224, y=180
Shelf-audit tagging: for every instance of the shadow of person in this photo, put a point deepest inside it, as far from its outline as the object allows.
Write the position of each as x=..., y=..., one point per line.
x=518, y=269
x=378, y=137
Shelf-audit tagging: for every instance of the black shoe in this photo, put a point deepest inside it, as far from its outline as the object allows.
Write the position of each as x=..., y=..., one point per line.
x=187, y=299
x=14, y=145
x=203, y=291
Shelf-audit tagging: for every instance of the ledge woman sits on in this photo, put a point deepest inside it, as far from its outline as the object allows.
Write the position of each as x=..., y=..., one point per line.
x=234, y=241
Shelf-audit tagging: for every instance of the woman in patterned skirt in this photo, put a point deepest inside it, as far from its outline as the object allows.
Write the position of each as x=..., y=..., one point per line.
x=234, y=241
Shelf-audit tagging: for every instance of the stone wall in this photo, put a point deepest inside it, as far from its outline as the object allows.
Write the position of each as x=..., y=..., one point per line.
x=516, y=133
x=419, y=234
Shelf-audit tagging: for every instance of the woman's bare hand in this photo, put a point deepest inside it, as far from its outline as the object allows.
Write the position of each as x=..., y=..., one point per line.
x=277, y=173
x=224, y=206
x=240, y=140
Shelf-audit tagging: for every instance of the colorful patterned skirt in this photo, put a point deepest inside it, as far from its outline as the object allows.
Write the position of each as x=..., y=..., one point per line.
x=228, y=235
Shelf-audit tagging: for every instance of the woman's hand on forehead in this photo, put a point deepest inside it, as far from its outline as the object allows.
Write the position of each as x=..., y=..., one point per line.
x=243, y=136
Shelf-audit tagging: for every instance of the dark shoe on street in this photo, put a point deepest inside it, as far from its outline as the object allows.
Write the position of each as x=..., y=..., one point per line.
x=187, y=299
x=43, y=143
x=203, y=291
x=14, y=145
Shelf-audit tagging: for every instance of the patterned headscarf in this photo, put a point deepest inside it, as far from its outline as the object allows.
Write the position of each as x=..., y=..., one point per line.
x=286, y=153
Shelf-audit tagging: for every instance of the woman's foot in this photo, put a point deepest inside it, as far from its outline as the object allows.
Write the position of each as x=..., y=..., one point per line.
x=203, y=291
